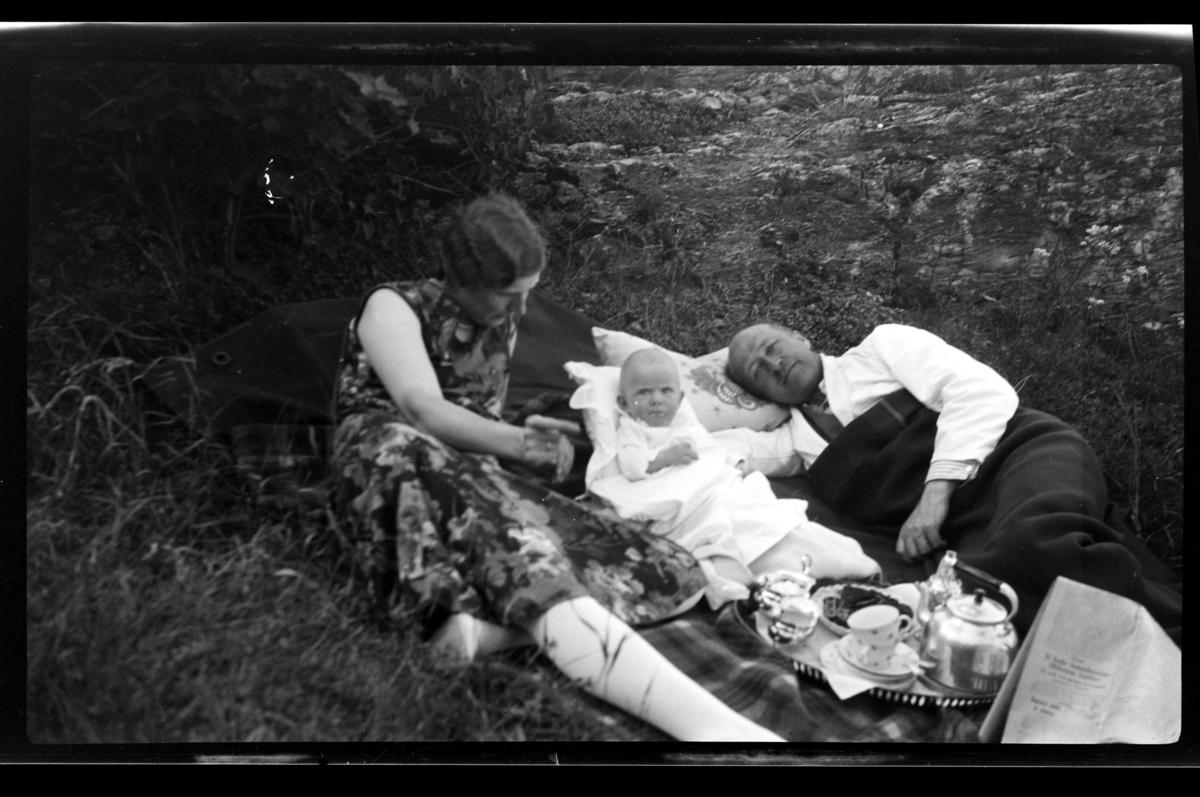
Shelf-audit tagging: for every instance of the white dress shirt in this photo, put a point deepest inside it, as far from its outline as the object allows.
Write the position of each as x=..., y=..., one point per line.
x=975, y=403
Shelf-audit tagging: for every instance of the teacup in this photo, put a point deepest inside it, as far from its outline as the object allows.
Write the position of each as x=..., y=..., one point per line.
x=877, y=630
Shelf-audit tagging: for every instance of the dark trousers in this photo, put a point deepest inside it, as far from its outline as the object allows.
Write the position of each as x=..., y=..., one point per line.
x=1037, y=508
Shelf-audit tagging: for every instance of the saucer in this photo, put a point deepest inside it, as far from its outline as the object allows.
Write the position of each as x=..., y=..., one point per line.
x=903, y=663
x=834, y=664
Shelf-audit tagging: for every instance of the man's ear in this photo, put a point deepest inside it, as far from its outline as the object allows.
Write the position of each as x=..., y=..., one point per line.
x=795, y=333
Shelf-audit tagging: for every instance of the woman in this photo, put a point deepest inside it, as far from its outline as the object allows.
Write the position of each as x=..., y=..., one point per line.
x=446, y=536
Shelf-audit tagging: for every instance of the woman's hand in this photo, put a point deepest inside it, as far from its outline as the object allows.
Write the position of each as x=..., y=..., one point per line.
x=390, y=333
x=545, y=444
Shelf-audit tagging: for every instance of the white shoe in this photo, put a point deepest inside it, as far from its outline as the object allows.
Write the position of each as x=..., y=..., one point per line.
x=464, y=638
x=458, y=638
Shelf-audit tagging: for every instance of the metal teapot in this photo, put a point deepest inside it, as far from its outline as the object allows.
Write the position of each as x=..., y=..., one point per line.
x=785, y=612
x=970, y=642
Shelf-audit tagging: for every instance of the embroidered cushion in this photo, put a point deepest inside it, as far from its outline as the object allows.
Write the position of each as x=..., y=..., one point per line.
x=718, y=402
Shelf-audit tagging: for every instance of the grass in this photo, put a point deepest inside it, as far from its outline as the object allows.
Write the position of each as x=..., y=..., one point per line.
x=166, y=604
x=1120, y=384
x=248, y=641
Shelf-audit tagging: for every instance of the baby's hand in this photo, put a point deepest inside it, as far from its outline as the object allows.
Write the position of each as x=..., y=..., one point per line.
x=681, y=453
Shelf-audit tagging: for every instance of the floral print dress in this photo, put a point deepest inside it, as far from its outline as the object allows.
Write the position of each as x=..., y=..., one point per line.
x=439, y=531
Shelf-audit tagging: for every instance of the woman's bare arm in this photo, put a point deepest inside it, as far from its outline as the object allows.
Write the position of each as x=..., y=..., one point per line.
x=390, y=334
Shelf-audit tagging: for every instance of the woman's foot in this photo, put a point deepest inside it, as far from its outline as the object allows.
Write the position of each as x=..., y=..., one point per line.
x=464, y=637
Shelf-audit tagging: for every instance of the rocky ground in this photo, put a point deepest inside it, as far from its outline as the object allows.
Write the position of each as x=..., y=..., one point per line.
x=898, y=188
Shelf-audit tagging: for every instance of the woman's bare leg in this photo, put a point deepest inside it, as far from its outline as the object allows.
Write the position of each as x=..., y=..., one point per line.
x=592, y=646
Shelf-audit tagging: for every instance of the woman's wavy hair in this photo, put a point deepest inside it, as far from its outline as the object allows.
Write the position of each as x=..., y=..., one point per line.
x=490, y=244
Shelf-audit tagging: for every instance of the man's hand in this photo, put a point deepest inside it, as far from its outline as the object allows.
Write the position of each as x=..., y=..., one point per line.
x=921, y=533
x=681, y=453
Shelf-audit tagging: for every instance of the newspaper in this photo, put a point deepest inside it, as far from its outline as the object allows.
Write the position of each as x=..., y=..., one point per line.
x=1095, y=668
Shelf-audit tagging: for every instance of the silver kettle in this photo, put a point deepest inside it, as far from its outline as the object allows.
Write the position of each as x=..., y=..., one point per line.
x=970, y=642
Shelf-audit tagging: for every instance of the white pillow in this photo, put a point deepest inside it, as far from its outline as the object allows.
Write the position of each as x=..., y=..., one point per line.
x=596, y=396
x=718, y=402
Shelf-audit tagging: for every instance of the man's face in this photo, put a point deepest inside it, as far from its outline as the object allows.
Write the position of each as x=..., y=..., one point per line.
x=774, y=364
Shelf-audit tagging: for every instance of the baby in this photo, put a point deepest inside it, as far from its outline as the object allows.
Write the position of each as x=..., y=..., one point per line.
x=650, y=424
x=695, y=492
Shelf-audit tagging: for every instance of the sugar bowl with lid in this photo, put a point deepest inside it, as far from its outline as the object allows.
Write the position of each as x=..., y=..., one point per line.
x=785, y=612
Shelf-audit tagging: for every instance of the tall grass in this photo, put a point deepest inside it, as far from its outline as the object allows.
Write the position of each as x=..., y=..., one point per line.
x=1118, y=382
x=166, y=605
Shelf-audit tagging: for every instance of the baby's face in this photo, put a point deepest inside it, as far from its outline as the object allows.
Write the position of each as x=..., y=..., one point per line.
x=650, y=391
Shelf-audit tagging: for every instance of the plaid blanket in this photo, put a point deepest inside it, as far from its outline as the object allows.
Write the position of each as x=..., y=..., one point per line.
x=717, y=651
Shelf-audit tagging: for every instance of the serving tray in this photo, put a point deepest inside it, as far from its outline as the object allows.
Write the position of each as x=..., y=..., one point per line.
x=806, y=659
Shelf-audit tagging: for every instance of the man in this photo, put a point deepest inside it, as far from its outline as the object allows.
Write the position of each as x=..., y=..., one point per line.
x=954, y=462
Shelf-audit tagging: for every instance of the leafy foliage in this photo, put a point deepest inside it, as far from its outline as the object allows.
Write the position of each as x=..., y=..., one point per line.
x=188, y=166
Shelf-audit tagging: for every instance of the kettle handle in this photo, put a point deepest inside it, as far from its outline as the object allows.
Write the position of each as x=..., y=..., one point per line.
x=987, y=578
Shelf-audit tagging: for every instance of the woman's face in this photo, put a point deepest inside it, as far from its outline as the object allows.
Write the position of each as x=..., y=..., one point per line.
x=489, y=307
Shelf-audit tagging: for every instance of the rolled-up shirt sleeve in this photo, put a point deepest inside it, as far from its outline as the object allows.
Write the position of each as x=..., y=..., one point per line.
x=974, y=402
x=952, y=470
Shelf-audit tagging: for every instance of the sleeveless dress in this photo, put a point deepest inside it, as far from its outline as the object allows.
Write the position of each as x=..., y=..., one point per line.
x=437, y=531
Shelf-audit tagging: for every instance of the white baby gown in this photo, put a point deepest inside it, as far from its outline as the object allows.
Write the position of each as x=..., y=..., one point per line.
x=708, y=506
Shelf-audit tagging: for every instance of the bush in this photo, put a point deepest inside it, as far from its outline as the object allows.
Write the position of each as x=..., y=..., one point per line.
x=192, y=166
